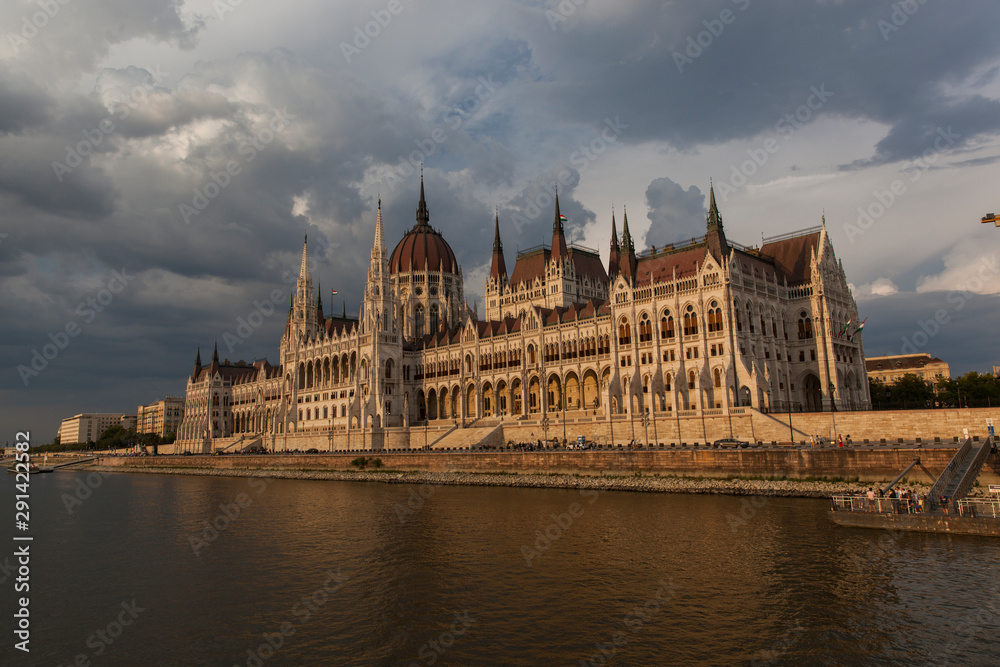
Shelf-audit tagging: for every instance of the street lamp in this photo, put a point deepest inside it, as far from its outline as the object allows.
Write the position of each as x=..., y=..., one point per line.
x=545, y=430
x=645, y=424
x=833, y=411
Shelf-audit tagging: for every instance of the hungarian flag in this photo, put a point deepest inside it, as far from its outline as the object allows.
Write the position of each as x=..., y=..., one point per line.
x=333, y=291
x=843, y=331
x=562, y=218
x=858, y=330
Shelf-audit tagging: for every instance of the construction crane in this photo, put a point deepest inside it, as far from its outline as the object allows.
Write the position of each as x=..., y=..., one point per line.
x=991, y=217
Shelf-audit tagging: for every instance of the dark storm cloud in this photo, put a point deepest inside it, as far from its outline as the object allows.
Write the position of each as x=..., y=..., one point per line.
x=676, y=214
x=763, y=63
x=958, y=327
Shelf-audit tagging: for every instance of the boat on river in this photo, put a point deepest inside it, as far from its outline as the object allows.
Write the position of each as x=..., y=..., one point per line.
x=944, y=509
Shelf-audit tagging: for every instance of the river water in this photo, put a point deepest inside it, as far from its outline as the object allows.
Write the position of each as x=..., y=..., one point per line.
x=343, y=573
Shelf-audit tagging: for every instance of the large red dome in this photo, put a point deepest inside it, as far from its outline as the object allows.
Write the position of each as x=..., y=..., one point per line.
x=423, y=248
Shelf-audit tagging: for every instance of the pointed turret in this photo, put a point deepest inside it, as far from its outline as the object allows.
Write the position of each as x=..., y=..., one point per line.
x=423, y=217
x=498, y=269
x=215, y=353
x=715, y=232
x=343, y=311
x=197, y=364
x=558, y=235
x=614, y=258
x=304, y=312
x=627, y=260
x=319, y=303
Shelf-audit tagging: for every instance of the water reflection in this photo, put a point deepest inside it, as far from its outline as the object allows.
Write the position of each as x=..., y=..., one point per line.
x=541, y=576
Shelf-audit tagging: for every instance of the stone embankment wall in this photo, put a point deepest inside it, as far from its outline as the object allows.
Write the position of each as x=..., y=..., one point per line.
x=747, y=424
x=863, y=464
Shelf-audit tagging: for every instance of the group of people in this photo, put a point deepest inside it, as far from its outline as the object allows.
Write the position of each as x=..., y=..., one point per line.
x=910, y=502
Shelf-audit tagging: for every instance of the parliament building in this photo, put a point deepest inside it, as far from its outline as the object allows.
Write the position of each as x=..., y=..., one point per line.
x=691, y=331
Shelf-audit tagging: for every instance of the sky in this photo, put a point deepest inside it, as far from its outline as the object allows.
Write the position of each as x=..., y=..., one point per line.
x=162, y=160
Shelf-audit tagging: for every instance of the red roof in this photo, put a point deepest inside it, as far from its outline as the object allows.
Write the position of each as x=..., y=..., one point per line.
x=660, y=267
x=792, y=256
x=423, y=249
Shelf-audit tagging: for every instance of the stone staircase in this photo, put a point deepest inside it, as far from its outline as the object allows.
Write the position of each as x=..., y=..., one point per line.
x=473, y=438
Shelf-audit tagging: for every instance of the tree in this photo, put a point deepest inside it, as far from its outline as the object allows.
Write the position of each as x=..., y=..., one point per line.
x=911, y=391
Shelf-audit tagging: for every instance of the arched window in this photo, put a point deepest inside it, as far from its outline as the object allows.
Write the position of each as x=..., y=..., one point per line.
x=645, y=329
x=666, y=325
x=750, y=318
x=714, y=317
x=388, y=369
x=718, y=378
x=739, y=317
x=435, y=319
x=690, y=321
x=418, y=321
x=666, y=382
x=691, y=380
x=624, y=333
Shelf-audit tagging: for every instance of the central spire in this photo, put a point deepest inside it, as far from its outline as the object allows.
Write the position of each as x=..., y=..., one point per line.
x=558, y=236
x=422, y=215
x=498, y=268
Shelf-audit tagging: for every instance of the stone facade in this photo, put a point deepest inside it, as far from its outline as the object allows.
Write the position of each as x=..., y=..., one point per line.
x=890, y=368
x=687, y=333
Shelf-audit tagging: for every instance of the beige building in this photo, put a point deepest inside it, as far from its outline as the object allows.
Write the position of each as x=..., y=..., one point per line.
x=706, y=328
x=88, y=427
x=890, y=368
x=160, y=417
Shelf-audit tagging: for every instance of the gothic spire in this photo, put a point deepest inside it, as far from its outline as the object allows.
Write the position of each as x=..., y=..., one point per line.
x=558, y=235
x=498, y=269
x=215, y=353
x=319, y=297
x=627, y=263
x=614, y=258
x=423, y=217
x=197, y=358
x=714, y=217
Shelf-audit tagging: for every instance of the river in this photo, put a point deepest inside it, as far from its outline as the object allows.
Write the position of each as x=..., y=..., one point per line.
x=345, y=573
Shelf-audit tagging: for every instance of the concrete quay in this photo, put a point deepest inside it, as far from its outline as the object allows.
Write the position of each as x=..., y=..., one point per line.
x=863, y=465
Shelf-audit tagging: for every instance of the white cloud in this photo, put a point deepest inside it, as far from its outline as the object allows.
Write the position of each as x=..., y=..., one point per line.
x=968, y=268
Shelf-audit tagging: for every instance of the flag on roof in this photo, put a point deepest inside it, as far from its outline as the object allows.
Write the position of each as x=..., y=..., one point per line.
x=858, y=330
x=333, y=291
x=562, y=218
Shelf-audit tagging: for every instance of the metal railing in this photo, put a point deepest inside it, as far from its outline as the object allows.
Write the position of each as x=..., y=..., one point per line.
x=934, y=495
x=861, y=503
x=979, y=507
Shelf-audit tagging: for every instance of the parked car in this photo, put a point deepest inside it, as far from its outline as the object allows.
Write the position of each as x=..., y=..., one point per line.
x=312, y=451
x=730, y=442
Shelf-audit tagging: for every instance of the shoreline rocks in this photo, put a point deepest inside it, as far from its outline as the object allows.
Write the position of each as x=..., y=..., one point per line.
x=788, y=488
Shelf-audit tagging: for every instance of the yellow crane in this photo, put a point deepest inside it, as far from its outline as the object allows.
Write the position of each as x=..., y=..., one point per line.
x=991, y=217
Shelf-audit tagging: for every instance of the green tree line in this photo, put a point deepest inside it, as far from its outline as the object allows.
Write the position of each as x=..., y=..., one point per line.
x=911, y=392
x=114, y=437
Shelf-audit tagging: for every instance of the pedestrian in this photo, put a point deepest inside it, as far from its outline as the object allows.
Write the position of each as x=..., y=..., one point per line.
x=840, y=441
x=944, y=503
